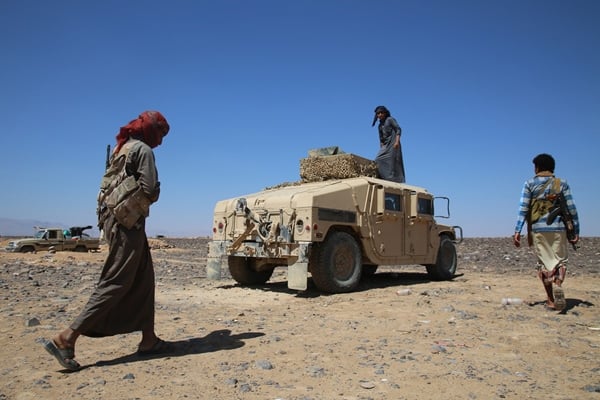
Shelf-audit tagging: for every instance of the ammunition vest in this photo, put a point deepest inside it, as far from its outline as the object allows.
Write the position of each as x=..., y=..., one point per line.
x=120, y=194
x=541, y=205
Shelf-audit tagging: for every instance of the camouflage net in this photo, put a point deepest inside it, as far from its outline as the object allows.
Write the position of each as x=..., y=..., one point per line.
x=338, y=166
x=331, y=163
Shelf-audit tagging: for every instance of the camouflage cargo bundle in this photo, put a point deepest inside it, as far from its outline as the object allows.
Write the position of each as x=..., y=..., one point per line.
x=327, y=163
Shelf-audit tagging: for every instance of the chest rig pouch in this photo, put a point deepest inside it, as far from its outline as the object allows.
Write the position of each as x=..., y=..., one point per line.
x=541, y=206
x=120, y=194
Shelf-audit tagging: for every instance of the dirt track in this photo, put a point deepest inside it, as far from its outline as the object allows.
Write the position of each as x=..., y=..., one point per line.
x=451, y=339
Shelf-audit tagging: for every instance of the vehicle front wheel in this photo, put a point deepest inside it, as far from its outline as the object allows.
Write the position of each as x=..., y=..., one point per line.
x=337, y=265
x=27, y=249
x=243, y=271
x=445, y=266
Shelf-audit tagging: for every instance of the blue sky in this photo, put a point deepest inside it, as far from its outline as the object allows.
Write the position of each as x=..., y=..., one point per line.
x=248, y=87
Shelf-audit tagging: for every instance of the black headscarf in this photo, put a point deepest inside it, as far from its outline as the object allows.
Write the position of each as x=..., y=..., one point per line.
x=380, y=109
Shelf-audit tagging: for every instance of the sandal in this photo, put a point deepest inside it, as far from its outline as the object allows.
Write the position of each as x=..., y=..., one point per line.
x=66, y=357
x=559, y=298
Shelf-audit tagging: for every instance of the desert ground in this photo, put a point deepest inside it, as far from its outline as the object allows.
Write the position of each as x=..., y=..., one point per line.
x=453, y=339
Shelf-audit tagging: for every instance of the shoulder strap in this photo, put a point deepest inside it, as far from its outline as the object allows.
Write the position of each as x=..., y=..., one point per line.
x=542, y=189
x=126, y=147
x=556, y=186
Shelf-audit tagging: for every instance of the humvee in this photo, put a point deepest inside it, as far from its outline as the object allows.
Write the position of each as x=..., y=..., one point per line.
x=336, y=231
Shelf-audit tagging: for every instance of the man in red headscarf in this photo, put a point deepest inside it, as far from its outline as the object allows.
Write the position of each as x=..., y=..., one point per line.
x=150, y=127
x=123, y=299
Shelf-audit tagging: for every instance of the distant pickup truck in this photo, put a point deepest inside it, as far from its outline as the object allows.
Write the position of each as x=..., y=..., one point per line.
x=57, y=239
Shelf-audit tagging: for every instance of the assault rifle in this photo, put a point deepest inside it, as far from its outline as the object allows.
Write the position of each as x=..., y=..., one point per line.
x=107, y=156
x=559, y=208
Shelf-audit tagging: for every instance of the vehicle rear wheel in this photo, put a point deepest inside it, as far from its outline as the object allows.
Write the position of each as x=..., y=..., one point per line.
x=243, y=271
x=337, y=267
x=81, y=249
x=445, y=266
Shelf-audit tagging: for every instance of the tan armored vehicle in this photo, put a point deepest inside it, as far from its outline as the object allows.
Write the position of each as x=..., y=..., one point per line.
x=337, y=230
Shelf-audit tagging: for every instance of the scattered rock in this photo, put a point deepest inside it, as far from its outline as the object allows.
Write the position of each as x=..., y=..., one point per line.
x=264, y=364
x=367, y=384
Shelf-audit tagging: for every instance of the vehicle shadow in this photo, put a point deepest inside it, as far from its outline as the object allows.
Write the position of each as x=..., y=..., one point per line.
x=214, y=341
x=379, y=280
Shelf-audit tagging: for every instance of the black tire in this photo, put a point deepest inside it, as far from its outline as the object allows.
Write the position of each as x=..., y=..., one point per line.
x=81, y=249
x=243, y=270
x=337, y=265
x=445, y=266
x=27, y=249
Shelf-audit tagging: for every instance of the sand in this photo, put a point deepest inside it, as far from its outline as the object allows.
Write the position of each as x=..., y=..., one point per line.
x=399, y=336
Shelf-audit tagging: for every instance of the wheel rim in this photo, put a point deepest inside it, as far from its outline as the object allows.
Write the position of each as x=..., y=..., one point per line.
x=343, y=263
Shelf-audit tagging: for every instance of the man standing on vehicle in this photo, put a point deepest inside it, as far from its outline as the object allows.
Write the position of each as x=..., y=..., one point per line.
x=390, y=164
x=549, y=237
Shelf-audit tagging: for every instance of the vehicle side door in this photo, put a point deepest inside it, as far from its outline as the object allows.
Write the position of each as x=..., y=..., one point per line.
x=419, y=223
x=387, y=223
x=47, y=240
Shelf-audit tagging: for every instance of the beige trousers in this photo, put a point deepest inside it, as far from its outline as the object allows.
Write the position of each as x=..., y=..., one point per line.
x=551, y=249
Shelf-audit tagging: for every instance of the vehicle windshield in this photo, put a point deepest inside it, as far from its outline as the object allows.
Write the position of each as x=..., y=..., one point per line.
x=39, y=234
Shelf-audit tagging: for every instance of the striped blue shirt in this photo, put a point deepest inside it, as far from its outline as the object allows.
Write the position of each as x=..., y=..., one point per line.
x=536, y=188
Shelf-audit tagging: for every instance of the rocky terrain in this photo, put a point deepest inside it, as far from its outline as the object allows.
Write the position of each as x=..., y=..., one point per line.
x=399, y=336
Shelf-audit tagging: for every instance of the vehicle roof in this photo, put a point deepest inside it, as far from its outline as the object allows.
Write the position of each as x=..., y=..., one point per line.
x=286, y=191
x=357, y=181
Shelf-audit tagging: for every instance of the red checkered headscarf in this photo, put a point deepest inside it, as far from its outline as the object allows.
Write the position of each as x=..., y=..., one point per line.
x=150, y=127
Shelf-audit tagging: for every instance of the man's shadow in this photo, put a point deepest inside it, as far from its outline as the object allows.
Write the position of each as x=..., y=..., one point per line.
x=571, y=304
x=214, y=341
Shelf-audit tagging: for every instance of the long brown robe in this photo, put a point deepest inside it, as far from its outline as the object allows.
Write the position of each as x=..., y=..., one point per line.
x=123, y=300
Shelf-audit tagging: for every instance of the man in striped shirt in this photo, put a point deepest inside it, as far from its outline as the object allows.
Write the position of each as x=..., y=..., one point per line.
x=549, y=240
